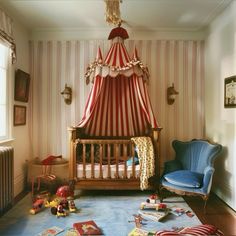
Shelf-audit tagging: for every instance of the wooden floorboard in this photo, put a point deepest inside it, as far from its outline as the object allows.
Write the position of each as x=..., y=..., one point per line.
x=217, y=213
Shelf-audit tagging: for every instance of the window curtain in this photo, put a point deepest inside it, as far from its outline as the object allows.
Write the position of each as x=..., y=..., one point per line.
x=6, y=33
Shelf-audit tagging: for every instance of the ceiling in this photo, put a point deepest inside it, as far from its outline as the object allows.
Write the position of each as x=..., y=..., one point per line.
x=175, y=15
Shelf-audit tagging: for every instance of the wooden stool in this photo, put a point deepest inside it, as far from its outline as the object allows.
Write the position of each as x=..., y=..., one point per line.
x=46, y=177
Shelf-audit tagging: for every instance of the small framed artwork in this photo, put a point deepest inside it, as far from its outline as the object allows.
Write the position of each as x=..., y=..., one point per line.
x=19, y=115
x=22, y=82
x=230, y=92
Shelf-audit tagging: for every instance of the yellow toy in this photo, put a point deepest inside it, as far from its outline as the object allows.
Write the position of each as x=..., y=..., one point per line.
x=54, y=203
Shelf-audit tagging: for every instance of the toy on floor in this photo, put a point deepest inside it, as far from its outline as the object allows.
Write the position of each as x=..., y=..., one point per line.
x=138, y=220
x=72, y=207
x=157, y=206
x=65, y=204
x=152, y=198
x=37, y=206
x=60, y=207
x=54, y=203
x=60, y=211
x=66, y=191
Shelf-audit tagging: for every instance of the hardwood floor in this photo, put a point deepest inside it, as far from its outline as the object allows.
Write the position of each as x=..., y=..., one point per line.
x=217, y=213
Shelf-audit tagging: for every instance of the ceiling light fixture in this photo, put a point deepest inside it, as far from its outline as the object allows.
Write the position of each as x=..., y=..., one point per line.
x=113, y=11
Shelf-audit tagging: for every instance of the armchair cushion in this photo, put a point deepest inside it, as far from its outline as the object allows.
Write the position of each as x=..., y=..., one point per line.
x=185, y=178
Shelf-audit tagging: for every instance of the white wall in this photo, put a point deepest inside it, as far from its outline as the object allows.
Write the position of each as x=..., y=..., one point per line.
x=20, y=134
x=220, y=121
x=77, y=34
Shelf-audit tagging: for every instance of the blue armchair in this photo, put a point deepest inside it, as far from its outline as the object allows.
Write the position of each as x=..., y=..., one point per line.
x=191, y=172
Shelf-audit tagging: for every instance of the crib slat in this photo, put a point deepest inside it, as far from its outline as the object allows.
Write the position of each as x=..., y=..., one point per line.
x=125, y=158
x=109, y=160
x=74, y=170
x=92, y=161
x=100, y=161
x=133, y=162
x=84, y=161
x=117, y=160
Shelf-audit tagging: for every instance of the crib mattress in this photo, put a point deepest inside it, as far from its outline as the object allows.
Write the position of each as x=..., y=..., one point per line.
x=105, y=170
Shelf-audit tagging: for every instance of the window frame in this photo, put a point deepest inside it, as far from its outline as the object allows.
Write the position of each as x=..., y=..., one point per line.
x=8, y=102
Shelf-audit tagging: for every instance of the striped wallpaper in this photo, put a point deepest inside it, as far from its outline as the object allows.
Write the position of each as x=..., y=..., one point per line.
x=54, y=63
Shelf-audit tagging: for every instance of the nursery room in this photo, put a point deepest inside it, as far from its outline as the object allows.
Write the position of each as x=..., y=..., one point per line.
x=117, y=117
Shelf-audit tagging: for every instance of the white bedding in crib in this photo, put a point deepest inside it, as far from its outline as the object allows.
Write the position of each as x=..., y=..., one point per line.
x=105, y=170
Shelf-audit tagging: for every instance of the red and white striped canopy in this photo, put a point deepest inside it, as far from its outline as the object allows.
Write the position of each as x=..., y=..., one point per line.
x=118, y=104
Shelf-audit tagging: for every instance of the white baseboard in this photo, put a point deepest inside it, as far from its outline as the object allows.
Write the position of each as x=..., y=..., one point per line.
x=225, y=192
x=19, y=184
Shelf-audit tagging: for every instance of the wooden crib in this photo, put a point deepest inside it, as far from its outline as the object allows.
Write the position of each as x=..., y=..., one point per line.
x=108, y=163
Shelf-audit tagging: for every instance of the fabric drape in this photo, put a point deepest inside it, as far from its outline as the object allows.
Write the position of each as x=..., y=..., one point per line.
x=118, y=107
x=118, y=104
x=6, y=33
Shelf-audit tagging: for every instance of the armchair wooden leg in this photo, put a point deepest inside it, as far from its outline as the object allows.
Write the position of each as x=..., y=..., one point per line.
x=161, y=194
x=205, y=198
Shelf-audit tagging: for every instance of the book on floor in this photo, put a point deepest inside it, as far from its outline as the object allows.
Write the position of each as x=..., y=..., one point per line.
x=153, y=214
x=87, y=228
x=140, y=232
x=50, y=231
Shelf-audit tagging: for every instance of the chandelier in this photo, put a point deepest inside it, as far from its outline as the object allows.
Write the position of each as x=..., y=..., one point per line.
x=113, y=11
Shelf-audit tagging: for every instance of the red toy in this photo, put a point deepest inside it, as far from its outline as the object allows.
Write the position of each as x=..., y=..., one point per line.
x=66, y=191
x=37, y=206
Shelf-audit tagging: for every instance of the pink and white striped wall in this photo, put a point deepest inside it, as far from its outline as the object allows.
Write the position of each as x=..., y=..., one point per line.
x=54, y=63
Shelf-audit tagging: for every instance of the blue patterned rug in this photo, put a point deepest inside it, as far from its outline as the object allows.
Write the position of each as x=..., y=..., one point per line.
x=112, y=212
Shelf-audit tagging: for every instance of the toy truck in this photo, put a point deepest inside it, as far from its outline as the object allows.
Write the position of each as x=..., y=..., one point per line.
x=156, y=206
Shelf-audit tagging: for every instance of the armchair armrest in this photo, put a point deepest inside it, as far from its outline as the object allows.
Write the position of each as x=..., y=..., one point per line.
x=207, y=179
x=173, y=165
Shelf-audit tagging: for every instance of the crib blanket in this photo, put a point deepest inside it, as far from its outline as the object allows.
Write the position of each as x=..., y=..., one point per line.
x=146, y=159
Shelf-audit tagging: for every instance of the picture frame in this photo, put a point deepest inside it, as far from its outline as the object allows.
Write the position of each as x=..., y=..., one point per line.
x=230, y=92
x=19, y=115
x=22, y=83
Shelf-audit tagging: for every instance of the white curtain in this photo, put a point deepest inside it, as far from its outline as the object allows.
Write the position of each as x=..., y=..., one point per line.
x=6, y=33
x=54, y=63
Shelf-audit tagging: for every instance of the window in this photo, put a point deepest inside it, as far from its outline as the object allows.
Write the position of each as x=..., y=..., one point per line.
x=4, y=109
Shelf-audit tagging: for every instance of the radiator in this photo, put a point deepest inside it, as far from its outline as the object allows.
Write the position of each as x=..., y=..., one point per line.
x=6, y=178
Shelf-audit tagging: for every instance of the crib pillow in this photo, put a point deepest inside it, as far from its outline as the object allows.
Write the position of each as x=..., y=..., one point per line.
x=130, y=161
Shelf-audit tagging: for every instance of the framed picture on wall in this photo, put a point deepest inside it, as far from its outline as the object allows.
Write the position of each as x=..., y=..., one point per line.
x=19, y=115
x=230, y=92
x=22, y=82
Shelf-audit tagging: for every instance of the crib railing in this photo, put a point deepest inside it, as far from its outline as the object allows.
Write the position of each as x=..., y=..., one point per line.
x=94, y=153
x=109, y=153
